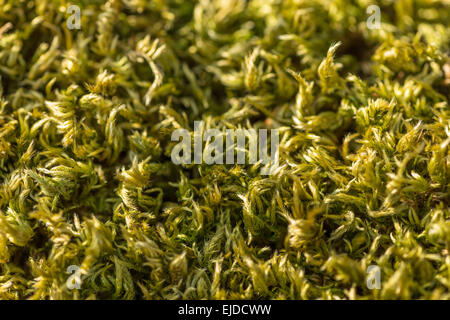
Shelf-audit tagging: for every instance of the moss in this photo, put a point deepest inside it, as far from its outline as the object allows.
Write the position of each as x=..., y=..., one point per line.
x=86, y=177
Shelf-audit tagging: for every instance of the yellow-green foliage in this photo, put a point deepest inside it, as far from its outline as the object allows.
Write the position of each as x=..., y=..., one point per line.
x=86, y=177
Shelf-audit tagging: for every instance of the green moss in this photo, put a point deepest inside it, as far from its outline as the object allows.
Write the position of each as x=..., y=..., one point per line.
x=86, y=177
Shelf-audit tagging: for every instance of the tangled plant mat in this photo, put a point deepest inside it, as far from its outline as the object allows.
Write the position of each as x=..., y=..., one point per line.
x=93, y=207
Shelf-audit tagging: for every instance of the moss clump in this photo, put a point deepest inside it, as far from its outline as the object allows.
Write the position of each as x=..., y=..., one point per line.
x=86, y=177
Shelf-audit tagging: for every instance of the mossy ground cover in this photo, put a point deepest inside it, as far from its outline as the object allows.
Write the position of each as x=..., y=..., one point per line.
x=86, y=177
